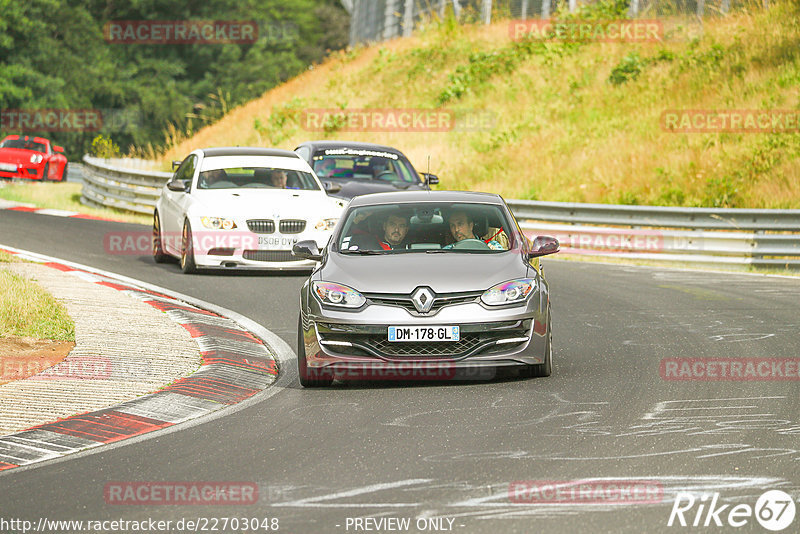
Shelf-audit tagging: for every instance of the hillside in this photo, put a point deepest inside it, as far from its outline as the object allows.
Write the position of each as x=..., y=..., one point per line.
x=571, y=121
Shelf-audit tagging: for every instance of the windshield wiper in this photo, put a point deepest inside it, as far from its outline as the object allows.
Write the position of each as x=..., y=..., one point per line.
x=362, y=252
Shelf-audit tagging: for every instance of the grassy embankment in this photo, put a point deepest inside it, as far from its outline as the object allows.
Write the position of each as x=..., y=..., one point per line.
x=64, y=196
x=574, y=122
x=27, y=310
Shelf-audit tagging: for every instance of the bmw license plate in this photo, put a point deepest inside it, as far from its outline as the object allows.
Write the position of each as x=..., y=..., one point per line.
x=424, y=333
x=8, y=167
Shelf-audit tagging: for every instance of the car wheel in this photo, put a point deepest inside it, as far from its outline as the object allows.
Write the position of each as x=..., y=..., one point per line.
x=46, y=172
x=309, y=378
x=187, y=250
x=158, y=250
x=63, y=174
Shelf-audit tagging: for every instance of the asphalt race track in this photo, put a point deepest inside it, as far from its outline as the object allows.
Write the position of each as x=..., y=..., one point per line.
x=452, y=451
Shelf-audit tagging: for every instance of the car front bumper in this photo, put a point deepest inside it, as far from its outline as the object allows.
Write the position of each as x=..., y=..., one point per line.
x=347, y=342
x=240, y=249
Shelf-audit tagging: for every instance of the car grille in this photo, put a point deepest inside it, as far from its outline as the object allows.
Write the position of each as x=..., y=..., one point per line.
x=440, y=301
x=292, y=226
x=261, y=226
x=376, y=344
x=269, y=255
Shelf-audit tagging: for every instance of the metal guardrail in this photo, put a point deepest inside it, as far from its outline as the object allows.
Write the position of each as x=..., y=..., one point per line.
x=686, y=235
x=106, y=185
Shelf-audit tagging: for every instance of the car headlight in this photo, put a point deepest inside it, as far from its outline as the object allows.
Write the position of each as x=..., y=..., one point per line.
x=326, y=224
x=36, y=158
x=509, y=292
x=338, y=295
x=218, y=223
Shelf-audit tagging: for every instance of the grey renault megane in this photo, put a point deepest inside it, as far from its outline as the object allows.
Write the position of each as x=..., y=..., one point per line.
x=424, y=285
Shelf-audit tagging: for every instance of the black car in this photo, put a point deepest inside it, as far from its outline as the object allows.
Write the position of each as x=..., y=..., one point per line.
x=348, y=168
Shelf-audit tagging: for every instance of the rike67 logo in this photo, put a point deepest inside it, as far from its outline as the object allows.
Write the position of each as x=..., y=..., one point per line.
x=774, y=510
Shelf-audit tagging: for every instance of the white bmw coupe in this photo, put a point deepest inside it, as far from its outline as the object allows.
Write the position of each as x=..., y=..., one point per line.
x=241, y=208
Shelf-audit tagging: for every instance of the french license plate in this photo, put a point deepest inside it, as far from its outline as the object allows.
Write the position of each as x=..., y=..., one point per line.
x=8, y=167
x=424, y=333
x=276, y=242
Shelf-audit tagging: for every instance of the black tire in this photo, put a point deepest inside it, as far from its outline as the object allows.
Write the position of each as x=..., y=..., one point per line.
x=159, y=256
x=187, y=250
x=309, y=378
x=46, y=173
x=64, y=173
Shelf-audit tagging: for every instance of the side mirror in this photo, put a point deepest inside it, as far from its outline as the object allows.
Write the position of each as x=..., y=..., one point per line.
x=177, y=186
x=430, y=179
x=308, y=250
x=542, y=246
x=331, y=187
x=176, y=164
x=58, y=148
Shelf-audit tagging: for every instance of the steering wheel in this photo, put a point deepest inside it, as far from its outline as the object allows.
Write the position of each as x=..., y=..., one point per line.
x=471, y=244
x=387, y=176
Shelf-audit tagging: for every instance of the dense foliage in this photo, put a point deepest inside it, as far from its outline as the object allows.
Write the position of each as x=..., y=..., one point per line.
x=53, y=55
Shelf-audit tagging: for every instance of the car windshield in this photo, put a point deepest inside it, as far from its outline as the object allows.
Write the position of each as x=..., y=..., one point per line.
x=367, y=165
x=426, y=228
x=257, y=178
x=25, y=145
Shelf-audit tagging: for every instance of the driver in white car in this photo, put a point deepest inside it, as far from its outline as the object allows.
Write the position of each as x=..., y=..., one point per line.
x=462, y=227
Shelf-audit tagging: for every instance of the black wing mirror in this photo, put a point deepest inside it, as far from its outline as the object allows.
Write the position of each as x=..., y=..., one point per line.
x=177, y=186
x=308, y=250
x=430, y=179
x=542, y=246
x=331, y=187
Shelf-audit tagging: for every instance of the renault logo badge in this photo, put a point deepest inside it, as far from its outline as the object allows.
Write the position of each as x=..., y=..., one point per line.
x=422, y=297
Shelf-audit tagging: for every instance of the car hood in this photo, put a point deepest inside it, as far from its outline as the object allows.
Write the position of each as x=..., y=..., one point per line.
x=261, y=203
x=17, y=155
x=355, y=188
x=445, y=272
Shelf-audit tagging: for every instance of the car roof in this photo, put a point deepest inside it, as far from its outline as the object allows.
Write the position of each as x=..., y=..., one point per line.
x=248, y=151
x=425, y=196
x=349, y=144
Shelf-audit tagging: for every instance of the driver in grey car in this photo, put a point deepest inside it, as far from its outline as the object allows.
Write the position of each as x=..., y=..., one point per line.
x=462, y=226
x=395, y=230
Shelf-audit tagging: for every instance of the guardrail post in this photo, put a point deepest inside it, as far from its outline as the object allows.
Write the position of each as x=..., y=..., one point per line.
x=545, y=9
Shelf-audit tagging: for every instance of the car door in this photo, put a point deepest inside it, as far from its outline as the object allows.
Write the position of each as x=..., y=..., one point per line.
x=174, y=204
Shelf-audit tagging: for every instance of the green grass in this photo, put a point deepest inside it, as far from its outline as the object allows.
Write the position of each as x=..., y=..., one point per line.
x=64, y=196
x=27, y=310
x=573, y=122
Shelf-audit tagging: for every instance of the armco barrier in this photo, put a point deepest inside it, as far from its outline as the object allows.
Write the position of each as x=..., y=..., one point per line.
x=742, y=237
x=113, y=186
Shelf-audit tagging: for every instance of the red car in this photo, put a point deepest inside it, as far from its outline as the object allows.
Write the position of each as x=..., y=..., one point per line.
x=32, y=157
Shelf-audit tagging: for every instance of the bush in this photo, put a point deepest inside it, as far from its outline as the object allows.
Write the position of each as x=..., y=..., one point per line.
x=104, y=147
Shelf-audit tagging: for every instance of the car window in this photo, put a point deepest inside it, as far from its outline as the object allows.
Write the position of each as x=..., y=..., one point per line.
x=256, y=178
x=427, y=227
x=186, y=171
x=366, y=165
x=25, y=145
